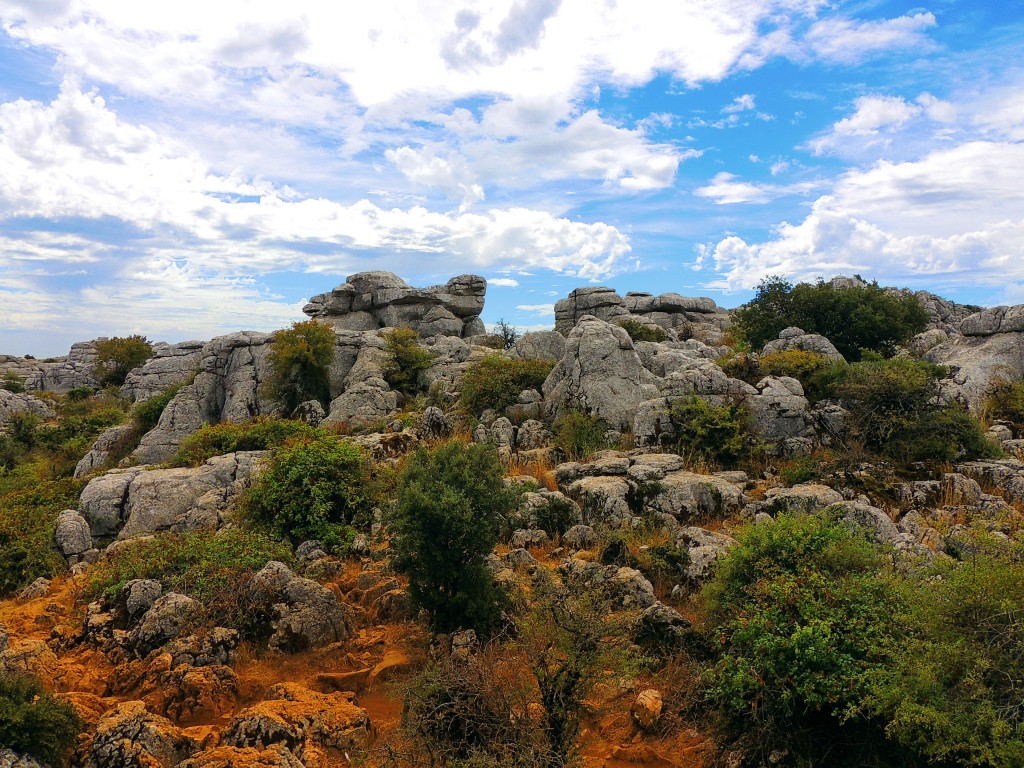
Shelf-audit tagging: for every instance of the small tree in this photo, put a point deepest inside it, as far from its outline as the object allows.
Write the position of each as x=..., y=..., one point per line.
x=301, y=357
x=116, y=357
x=508, y=333
x=717, y=433
x=406, y=360
x=451, y=505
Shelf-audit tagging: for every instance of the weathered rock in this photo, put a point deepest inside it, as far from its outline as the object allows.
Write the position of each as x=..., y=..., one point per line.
x=12, y=403
x=58, y=375
x=72, y=535
x=600, y=374
x=170, y=365
x=244, y=757
x=540, y=345
x=779, y=411
x=527, y=538
x=646, y=708
x=129, y=736
x=807, y=497
x=705, y=548
x=162, y=622
x=107, y=446
x=139, y=595
x=795, y=338
x=309, y=412
x=10, y=759
x=37, y=588
x=305, y=614
x=631, y=589
x=872, y=519
x=579, y=537
x=687, y=495
x=209, y=649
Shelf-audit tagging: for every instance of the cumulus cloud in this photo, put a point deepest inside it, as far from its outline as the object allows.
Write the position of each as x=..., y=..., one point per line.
x=876, y=117
x=957, y=213
x=540, y=309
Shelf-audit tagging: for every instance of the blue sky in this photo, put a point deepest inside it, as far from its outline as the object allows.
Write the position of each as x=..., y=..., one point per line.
x=187, y=169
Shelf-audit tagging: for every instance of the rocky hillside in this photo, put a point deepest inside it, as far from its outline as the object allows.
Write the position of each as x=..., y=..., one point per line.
x=636, y=539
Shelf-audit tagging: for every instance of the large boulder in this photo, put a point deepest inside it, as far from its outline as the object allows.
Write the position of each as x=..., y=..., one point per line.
x=56, y=375
x=305, y=614
x=795, y=338
x=170, y=365
x=129, y=736
x=12, y=403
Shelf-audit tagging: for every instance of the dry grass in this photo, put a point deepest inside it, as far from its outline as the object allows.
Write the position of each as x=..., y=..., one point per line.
x=538, y=465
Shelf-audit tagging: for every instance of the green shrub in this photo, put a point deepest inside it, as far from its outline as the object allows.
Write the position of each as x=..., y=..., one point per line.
x=496, y=381
x=641, y=332
x=952, y=693
x=260, y=434
x=800, y=616
x=12, y=382
x=1005, y=402
x=897, y=413
x=314, y=489
x=116, y=357
x=33, y=722
x=716, y=433
x=406, y=361
x=819, y=375
x=450, y=509
x=147, y=414
x=853, y=319
x=300, y=358
x=211, y=567
x=579, y=435
x=557, y=516
x=30, y=501
x=76, y=394
x=745, y=366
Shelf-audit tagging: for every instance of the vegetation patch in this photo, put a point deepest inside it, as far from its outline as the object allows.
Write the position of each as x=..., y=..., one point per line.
x=260, y=434
x=641, y=331
x=117, y=357
x=406, y=361
x=496, y=381
x=579, y=435
x=715, y=433
x=35, y=723
x=819, y=375
x=300, y=358
x=1005, y=402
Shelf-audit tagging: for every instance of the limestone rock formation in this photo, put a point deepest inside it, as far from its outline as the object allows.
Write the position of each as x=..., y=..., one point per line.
x=305, y=613
x=795, y=338
x=12, y=403
x=370, y=300
x=171, y=364
x=56, y=375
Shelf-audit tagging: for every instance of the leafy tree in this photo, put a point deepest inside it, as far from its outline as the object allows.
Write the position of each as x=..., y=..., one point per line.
x=406, y=361
x=314, y=489
x=856, y=318
x=33, y=722
x=451, y=506
x=301, y=357
x=496, y=381
x=116, y=357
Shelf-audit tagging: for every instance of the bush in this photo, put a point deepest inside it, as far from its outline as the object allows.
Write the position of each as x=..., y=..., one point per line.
x=147, y=414
x=314, y=489
x=300, y=358
x=800, y=616
x=116, y=357
x=33, y=722
x=76, y=394
x=819, y=375
x=406, y=361
x=953, y=691
x=641, y=332
x=898, y=415
x=1005, y=402
x=496, y=381
x=451, y=507
x=212, y=567
x=716, y=433
x=853, y=319
x=12, y=382
x=579, y=435
x=260, y=434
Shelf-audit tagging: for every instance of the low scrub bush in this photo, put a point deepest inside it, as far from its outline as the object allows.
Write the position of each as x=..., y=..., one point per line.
x=317, y=488
x=12, y=382
x=406, y=361
x=819, y=375
x=800, y=616
x=745, y=366
x=35, y=723
x=300, y=358
x=211, y=567
x=853, y=319
x=642, y=332
x=451, y=507
x=116, y=357
x=260, y=434
x=147, y=413
x=496, y=381
x=1005, y=402
x=579, y=435
x=715, y=433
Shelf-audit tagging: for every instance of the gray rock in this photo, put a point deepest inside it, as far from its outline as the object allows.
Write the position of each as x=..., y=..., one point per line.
x=305, y=614
x=579, y=537
x=12, y=403
x=705, y=548
x=795, y=338
x=129, y=736
x=72, y=535
x=170, y=365
x=11, y=759
x=526, y=538
x=806, y=497
x=779, y=411
x=104, y=450
x=993, y=320
x=631, y=589
x=872, y=519
x=139, y=595
x=540, y=345
x=58, y=375
x=310, y=412
x=162, y=622
x=37, y=588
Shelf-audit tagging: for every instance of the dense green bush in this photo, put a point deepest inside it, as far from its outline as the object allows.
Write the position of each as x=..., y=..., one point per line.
x=716, y=433
x=260, y=434
x=819, y=375
x=147, y=413
x=496, y=381
x=800, y=616
x=33, y=722
x=212, y=567
x=853, y=319
x=116, y=357
x=451, y=507
x=406, y=361
x=579, y=435
x=898, y=415
x=301, y=358
x=314, y=489
x=641, y=332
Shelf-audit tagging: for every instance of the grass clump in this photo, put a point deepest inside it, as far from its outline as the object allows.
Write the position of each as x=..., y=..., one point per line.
x=579, y=435
x=300, y=358
x=317, y=488
x=35, y=723
x=1005, y=402
x=211, y=567
x=642, y=332
x=12, y=382
x=260, y=434
x=406, y=361
x=496, y=381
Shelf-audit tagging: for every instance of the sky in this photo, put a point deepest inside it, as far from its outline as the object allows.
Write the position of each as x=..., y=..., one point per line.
x=188, y=169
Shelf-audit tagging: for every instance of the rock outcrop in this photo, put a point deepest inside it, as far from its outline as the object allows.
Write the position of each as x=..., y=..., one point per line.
x=12, y=403
x=368, y=301
x=55, y=375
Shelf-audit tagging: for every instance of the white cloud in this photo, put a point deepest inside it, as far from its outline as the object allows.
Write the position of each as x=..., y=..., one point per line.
x=725, y=189
x=875, y=113
x=876, y=118
x=956, y=213
x=503, y=282
x=848, y=41
x=540, y=309
x=739, y=104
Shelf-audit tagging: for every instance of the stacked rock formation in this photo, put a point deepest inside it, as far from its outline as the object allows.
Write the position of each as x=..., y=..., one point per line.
x=371, y=300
